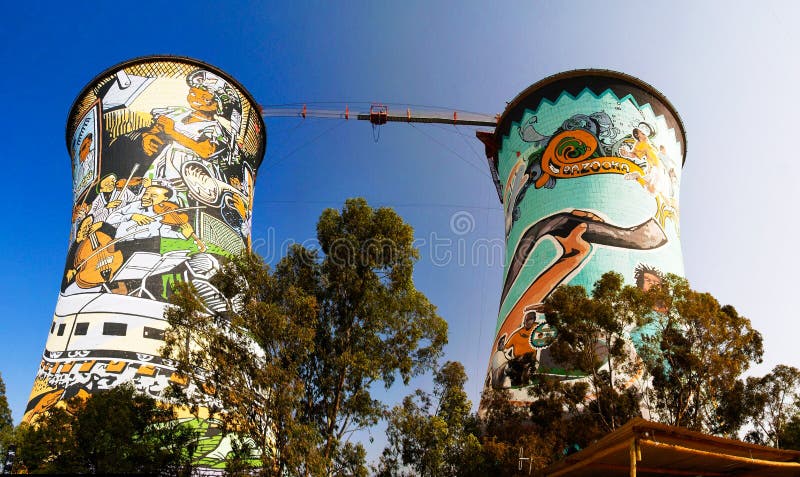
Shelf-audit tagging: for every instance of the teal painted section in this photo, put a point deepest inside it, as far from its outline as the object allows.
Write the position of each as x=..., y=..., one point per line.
x=598, y=155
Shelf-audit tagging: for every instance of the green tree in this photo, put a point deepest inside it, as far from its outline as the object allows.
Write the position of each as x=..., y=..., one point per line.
x=790, y=435
x=373, y=324
x=247, y=361
x=538, y=430
x=772, y=401
x=593, y=342
x=115, y=431
x=688, y=348
x=432, y=434
x=594, y=347
x=6, y=423
x=49, y=447
x=697, y=352
x=293, y=360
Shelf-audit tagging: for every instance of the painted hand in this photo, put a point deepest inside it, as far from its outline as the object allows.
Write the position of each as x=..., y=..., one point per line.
x=574, y=245
x=141, y=219
x=151, y=143
x=186, y=230
x=239, y=205
x=167, y=124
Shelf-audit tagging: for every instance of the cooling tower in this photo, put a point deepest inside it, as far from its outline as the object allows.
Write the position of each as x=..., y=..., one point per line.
x=588, y=165
x=164, y=157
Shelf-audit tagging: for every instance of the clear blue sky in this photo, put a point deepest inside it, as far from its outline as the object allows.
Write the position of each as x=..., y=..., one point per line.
x=731, y=70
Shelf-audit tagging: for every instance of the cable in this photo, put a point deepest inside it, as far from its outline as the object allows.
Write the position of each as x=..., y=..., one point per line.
x=290, y=133
x=456, y=130
x=482, y=288
x=483, y=172
x=469, y=143
x=277, y=161
x=399, y=205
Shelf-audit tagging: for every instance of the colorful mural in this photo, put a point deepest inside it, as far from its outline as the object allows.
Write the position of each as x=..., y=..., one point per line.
x=164, y=158
x=589, y=165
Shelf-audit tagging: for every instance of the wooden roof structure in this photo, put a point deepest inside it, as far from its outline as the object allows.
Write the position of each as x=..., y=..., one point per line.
x=648, y=449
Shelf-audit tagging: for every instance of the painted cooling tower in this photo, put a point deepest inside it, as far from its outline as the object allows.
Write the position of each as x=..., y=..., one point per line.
x=588, y=166
x=164, y=158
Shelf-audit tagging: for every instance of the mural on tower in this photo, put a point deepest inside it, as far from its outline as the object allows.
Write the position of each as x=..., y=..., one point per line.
x=589, y=166
x=164, y=158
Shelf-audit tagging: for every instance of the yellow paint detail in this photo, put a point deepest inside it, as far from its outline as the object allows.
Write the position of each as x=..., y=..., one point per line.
x=116, y=366
x=66, y=367
x=46, y=402
x=146, y=369
x=87, y=366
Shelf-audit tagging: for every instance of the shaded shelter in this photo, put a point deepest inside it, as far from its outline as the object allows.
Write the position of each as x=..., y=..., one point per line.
x=643, y=448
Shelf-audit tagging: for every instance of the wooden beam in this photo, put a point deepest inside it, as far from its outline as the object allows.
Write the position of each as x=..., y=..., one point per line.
x=734, y=458
x=585, y=462
x=649, y=430
x=660, y=470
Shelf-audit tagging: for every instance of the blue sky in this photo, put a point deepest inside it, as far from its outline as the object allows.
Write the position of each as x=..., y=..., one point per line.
x=730, y=68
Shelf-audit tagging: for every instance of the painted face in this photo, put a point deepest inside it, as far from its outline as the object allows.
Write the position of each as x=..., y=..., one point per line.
x=107, y=184
x=83, y=230
x=650, y=281
x=530, y=320
x=154, y=195
x=201, y=100
x=86, y=148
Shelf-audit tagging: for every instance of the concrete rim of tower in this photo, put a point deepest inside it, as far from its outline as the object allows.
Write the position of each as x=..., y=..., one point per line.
x=517, y=106
x=175, y=58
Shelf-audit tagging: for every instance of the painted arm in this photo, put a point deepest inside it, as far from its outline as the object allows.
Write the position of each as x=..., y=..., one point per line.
x=574, y=250
x=120, y=215
x=151, y=142
x=203, y=149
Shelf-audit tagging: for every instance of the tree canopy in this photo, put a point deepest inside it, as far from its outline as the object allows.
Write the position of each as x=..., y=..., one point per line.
x=433, y=435
x=247, y=360
x=696, y=352
x=289, y=368
x=772, y=405
x=682, y=368
x=299, y=349
x=114, y=431
x=593, y=342
x=6, y=423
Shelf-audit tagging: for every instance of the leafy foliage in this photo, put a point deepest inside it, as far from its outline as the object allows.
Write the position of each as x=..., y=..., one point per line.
x=773, y=403
x=6, y=423
x=695, y=356
x=508, y=427
x=683, y=369
x=790, y=435
x=373, y=323
x=293, y=360
x=5, y=411
x=115, y=431
x=593, y=341
x=433, y=435
x=248, y=360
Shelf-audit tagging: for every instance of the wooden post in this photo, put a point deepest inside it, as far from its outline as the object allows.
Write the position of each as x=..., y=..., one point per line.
x=632, y=453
